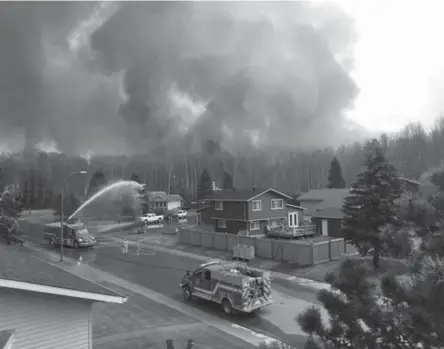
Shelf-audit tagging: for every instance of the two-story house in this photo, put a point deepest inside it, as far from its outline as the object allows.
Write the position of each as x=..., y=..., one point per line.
x=234, y=210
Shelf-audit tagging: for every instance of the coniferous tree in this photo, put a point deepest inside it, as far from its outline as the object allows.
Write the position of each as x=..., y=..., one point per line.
x=70, y=204
x=372, y=203
x=205, y=186
x=335, y=179
x=227, y=181
x=2, y=181
x=10, y=209
x=135, y=178
x=40, y=197
x=405, y=311
x=32, y=189
x=143, y=195
x=98, y=180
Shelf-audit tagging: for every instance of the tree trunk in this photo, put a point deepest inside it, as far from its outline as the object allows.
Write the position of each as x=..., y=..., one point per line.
x=376, y=256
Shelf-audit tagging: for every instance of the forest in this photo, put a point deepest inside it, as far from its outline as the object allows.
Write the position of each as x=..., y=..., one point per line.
x=413, y=151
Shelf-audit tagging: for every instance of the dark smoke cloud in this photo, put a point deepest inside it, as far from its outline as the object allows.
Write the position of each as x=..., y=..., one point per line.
x=276, y=72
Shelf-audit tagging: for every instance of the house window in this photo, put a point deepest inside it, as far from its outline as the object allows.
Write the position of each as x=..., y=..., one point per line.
x=274, y=223
x=254, y=225
x=257, y=205
x=221, y=223
x=277, y=204
x=219, y=206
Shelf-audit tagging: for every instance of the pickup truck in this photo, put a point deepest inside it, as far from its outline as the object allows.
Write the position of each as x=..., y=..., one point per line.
x=181, y=214
x=151, y=218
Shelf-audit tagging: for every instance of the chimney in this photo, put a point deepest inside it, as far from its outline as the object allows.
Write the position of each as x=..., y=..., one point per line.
x=254, y=188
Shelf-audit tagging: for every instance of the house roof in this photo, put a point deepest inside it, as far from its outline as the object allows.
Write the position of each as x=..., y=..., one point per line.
x=329, y=212
x=174, y=197
x=244, y=195
x=20, y=270
x=202, y=208
x=296, y=206
x=152, y=194
x=411, y=181
x=162, y=196
x=327, y=198
x=6, y=338
x=323, y=194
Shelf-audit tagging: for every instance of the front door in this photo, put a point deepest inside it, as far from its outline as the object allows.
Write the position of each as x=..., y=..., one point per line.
x=325, y=227
x=201, y=286
x=293, y=220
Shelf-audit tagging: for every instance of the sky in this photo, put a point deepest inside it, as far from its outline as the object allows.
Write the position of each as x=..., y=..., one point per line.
x=96, y=83
x=399, y=62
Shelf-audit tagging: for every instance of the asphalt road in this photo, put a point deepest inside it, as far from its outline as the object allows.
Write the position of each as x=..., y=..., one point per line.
x=162, y=272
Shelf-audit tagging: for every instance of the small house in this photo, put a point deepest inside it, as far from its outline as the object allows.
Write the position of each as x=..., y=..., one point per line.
x=324, y=209
x=327, y=197
x=43, y=306
x=232, y=211
x=161, y=200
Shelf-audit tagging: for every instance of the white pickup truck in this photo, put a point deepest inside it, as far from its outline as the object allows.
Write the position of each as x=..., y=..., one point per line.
x=181, y=214
x=151, y=218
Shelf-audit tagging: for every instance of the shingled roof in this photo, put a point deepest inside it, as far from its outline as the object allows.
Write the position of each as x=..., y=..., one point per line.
x=20, y=270
x=323, y=194
x=243, y=195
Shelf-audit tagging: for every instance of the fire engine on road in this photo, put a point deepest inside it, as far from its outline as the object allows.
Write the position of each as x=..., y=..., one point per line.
x=232, y=285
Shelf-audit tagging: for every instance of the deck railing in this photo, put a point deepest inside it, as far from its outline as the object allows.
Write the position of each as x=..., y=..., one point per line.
x=303, y=230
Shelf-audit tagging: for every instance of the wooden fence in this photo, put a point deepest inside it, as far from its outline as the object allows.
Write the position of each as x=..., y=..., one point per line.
x=301, y=252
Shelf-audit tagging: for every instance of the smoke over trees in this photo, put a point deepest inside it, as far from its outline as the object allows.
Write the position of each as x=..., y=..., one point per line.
x=140, y=76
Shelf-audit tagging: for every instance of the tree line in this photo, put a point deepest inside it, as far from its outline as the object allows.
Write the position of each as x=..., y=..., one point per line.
x=40, y=176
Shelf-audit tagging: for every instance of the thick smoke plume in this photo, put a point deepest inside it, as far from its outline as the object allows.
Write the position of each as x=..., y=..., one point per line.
x=163, y=73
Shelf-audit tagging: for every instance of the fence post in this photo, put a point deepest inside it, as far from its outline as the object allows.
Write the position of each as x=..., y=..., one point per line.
x=312, y=252
x=329, y=249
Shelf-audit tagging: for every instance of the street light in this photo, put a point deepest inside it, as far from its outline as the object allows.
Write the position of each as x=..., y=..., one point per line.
x=81, y=172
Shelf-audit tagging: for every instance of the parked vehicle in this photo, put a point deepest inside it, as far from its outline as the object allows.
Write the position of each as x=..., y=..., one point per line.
x=151, y=218
x=181, y=214
x=74, y=235
x=235, y=287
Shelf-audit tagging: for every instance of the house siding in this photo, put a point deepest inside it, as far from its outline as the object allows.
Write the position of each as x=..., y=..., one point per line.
x=233, y=227
x=174, y=205
x=231, y=210
x=44, y=321
x=310, y=205
x=334, y=226
x=266, y=211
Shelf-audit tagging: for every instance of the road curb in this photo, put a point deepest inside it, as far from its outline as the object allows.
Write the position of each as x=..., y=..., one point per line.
x=316, y=285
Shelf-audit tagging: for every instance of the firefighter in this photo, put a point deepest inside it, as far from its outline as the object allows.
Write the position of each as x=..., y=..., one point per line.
x=125, y=247
x=141, y=228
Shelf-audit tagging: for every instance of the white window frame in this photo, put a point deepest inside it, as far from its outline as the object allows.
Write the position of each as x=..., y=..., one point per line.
x=221, y=223
x=260, y=205
x=277, y=200
x=217, y=207
x=255, y=228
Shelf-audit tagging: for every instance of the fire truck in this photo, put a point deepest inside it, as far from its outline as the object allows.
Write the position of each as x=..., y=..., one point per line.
x=232, y=285
x=74, y=235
